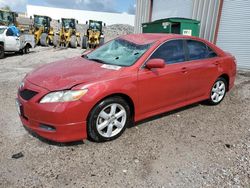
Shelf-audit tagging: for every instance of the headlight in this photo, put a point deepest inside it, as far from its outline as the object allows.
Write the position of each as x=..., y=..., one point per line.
x=63, y=96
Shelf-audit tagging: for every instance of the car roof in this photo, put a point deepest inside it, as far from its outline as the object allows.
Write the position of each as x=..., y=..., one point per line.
x=147, y=38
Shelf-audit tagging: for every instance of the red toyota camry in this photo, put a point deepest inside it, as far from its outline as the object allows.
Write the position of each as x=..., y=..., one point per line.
x=128, y=79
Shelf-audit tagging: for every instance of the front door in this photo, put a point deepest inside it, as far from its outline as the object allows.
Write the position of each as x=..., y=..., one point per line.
x=163, y=87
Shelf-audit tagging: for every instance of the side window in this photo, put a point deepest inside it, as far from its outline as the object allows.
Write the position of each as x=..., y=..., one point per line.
x=211, y=53
x=9, y=32
x=199, y=50
x=171, y=52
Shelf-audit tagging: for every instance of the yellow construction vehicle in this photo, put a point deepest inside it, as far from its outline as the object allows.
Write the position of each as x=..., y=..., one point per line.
x=8, y=18
x=42, y=30
x=68, y=35
x=94, y=36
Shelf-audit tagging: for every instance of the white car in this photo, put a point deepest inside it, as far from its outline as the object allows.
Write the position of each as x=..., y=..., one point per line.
x=9, y=42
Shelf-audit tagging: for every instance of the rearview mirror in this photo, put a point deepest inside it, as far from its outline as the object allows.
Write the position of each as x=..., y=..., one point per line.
x=155, y=63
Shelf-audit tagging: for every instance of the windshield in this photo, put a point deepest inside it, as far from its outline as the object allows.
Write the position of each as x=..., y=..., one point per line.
x=95, y=25
x=118, y=52
x=6, y=17
x=39, y=21
x=68, y=23
x=2, y=30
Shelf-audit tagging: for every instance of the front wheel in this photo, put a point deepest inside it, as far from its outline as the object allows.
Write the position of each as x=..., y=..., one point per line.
x=73, y=41
x=108, y=119
x=44, y=40
x=218, y=91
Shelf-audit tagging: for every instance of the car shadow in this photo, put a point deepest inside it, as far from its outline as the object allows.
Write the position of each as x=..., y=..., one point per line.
x=76, y=143
x=6, y=55
x=164, y=114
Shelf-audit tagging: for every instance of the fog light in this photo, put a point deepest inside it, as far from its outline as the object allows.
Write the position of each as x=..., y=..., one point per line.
x=47, y=127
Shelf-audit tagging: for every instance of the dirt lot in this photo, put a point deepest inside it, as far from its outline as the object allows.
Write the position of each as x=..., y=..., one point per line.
x=196, y=146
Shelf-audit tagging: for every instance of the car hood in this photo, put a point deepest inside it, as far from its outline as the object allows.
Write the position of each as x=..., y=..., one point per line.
x=70, y=72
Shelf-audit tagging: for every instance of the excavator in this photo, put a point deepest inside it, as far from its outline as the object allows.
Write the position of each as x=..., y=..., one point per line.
x=68, y=35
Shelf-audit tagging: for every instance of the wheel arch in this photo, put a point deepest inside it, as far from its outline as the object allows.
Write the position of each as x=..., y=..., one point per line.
x=28, y=45
x=127, y=98
x=2, y=43
x=226, y=77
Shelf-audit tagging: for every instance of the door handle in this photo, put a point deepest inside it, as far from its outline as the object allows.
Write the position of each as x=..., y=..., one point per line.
x=216, y=63
x=184, y=69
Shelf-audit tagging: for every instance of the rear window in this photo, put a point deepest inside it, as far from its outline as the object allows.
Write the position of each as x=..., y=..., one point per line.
x=199, y=50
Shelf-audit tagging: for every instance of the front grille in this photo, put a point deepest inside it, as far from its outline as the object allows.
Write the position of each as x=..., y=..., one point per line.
x=27, y=94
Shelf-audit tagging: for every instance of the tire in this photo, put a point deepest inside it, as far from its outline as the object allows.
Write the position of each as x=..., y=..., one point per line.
x=26, y=49
x=1, y=52
x=55, y=40
x=218, y=91
x=73, y=41
x=44, y=39
x=84, y=42
x=78, y=41
x=103, y=125
x=101, y=41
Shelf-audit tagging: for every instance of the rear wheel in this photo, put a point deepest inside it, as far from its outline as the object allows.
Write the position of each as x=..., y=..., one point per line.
x=218, y=91
x=26, y=49
x=1, y=51
x=44, y=40
x=108, y=119
x=73, y=41
x=84, y=42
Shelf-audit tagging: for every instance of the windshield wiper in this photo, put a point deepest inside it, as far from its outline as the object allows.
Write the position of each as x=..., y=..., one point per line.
x=97, y=60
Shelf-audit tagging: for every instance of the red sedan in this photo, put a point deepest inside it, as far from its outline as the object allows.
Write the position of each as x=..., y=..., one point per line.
x=128, y=79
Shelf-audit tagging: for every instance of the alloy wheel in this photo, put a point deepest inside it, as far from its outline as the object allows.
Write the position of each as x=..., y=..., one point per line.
x=218, y=91
x=111, y=120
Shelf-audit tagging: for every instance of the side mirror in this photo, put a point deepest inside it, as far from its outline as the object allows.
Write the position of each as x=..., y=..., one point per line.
x=104, y=24
x=58, y=21
x=30, y=17
x=77, y=21
x=87, y=22
x=155, y=63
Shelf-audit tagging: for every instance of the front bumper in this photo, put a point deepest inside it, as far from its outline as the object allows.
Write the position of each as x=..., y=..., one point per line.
x=60, y=122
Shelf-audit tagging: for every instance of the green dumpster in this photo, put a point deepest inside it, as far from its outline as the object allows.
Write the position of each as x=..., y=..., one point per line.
x=182, y=26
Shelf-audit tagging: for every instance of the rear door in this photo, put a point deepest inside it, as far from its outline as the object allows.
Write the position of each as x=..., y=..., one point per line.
x=202, y=67
x=166, y=86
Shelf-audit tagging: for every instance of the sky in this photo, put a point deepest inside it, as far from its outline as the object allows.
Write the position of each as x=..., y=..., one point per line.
x=118, y=6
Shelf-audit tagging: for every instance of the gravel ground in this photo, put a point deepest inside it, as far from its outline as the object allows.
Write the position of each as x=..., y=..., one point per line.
x=196, y=146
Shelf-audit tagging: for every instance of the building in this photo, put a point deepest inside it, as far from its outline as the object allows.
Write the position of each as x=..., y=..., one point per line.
x=81, y=15
x=223, y=22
